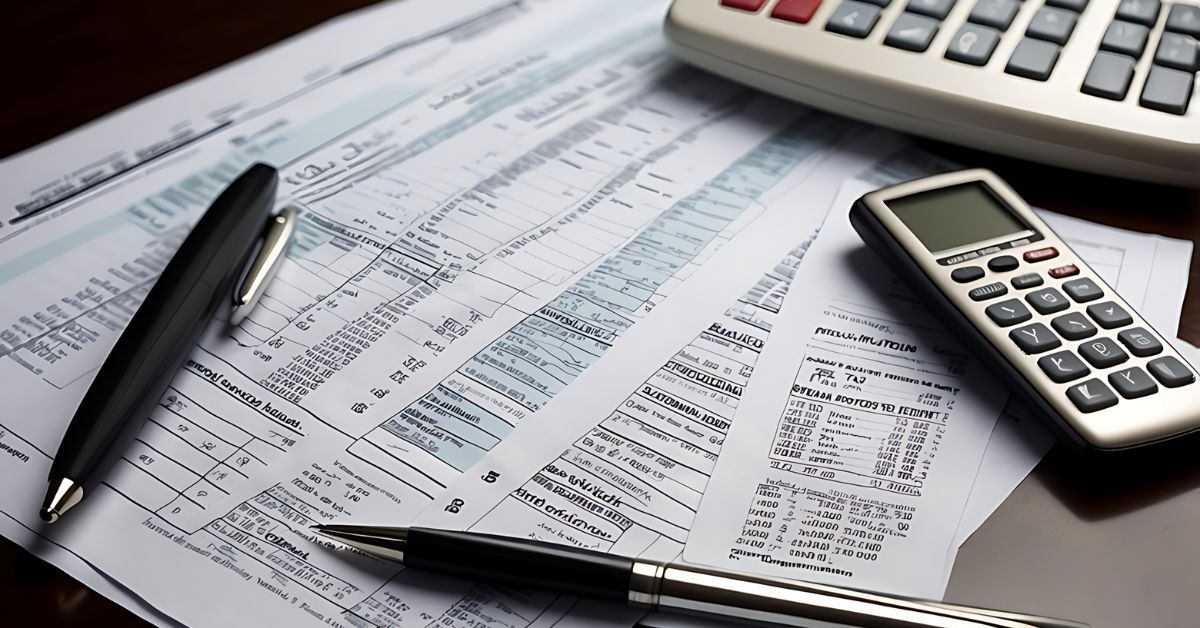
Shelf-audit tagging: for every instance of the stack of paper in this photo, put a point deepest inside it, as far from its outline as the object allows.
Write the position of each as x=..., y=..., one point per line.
x=539, y=283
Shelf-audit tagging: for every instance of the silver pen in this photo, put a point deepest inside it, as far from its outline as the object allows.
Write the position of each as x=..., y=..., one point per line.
x=524, y=563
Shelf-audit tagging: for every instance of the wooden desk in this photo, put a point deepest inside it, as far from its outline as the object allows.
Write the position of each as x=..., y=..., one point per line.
x=72, y=61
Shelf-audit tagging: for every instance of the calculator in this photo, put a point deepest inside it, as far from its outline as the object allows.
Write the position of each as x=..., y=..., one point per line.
x=1106, y=86
x=1028, y=306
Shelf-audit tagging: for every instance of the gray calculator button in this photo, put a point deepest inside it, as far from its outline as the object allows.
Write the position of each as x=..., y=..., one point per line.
x=881, y=3
x=1052, y=24
x=1083, y=290
x=1074, y=5
x=1010, y=312
x=1109, y=315
x=933, y=8
x=966, y=274
x=1184, y=18
x=1047, y=301
x=1126, y=38
x=995, y=13
x=1178, y=51
x=1140, y=11
x=1091, y=396
x=1034, y=338
x=1132, y=383
x=1102, y=353
x=1109, y=76
x=1168, y=90
x=973, y=44
x=853, y=18
x=1140, y=342
x=1073, y=326
x=1033, y=59
x=1028, y=280
x=912, y=32
x=990, y=291
x=1170, y=372
x=1063, y=367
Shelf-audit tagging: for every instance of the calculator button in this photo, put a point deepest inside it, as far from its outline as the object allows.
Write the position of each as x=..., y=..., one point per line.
x=1038, y=255
x=1063, y=367
x=1052, y=24
x=745, y=5
x=1109, y=76
x=1034, y=338
x=799, y=11
x=1140, y=342
x=1074, y=5
x=1168, y=90
x=1063, y=271
x=973, y=44
x=1033, y=59
x=1091, y=396
x=1132, y=383
x=1083, y=290
x=1047, y=301
x=933, y=8
x=1178, y=51
x=1109, y=315
x=995, y=13
x=1073, y=326
x=853, y=18
x=1126, y=38
x=967, y=274
x=1184, y=18
x=1170, y=372
x=1007, y=313
x=1003, y=263
x=1029, y=280
x=1102, y=353
x=882, y=3
x=990, y=291
x=912, y=32
x=1140, y=11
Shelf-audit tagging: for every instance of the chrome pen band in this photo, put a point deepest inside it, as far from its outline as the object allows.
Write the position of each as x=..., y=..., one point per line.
x=644, y=581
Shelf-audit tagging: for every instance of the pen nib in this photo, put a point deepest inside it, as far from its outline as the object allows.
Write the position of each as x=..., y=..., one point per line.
x=383, y=542
x=61, y=496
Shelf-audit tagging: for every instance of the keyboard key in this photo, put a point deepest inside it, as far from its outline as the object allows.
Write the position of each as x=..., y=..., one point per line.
x=1184, y=18
x=853, y=18
x=1178, y=51
x=1039, y=255
x=1126, y=38
x=1132, y=383
x=966, y=274
x=912, y=32
x=1170, y=372
x=1047, y=301
x=1091, y=396
x=1063, y=367
x=1034, y=338
x=938, y=9
x=995, y=13
x=1033, y=59
x=1073, y=326
x=1082, y=290
x=1008, y=313
x=1140, y=342
x=1029, y=280
x=1052, y=24
x=744, y=5
x=1109, y=315
x=1168, y=90
x=1073, y=5
x=798, y=11
x=1063, y=271
x=990, y=291
x=1109, y=76
x=1102, y=353
x=1003, y=263
x=1140, y=11
x=973, y=44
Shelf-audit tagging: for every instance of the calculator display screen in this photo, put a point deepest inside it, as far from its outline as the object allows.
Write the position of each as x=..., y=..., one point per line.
x=955, y=216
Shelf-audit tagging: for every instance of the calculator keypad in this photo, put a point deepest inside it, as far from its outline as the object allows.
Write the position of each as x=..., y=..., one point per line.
x=1109, y=315
x=1052, y=24
x=912, y=32
x=1109, y=76
x=1102, y=353
x=1139, y=11
x=1033, y=59
x=853, y=18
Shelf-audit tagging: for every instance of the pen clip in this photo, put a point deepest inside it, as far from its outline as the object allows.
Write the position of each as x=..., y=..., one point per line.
x=264, y=265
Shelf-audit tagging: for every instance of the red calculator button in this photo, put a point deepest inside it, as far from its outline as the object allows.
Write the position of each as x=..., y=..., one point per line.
x=796, y=10
x=1063, y=271
x=745, y=5
x=1038, y=255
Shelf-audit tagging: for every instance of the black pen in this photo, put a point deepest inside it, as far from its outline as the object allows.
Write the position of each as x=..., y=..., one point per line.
x=199, y=278
x=524, y=563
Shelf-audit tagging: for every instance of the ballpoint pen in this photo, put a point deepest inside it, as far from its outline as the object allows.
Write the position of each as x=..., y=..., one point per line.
x=531, y=564
x=199, y=278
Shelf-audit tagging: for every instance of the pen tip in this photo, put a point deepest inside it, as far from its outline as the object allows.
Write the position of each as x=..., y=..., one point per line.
x=60, y=497
x=47, y=515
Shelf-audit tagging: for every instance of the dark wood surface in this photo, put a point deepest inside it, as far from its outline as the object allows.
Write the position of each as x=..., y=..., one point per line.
x=71, y=61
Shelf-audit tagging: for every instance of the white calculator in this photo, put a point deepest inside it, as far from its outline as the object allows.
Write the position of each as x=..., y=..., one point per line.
x=1101, y=85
